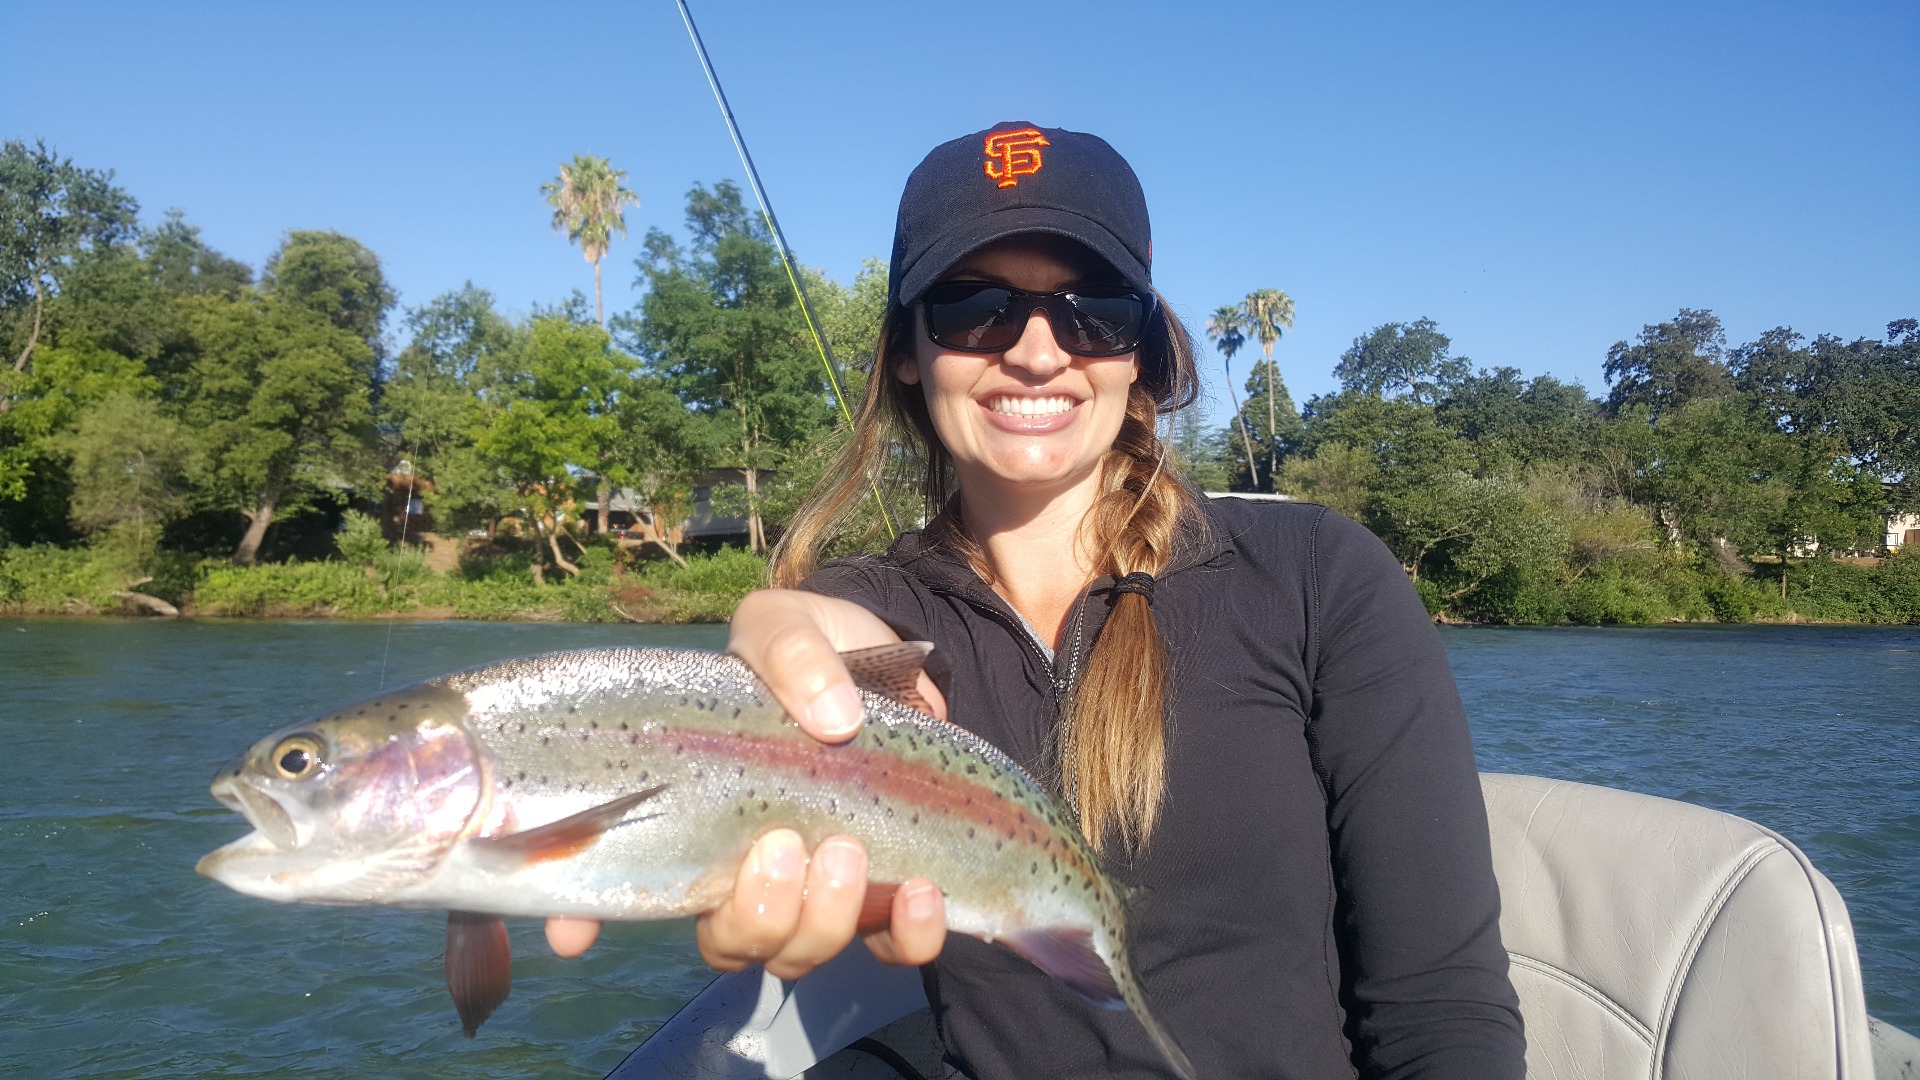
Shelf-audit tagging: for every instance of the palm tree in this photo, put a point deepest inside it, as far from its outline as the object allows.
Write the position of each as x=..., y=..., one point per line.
x=1227, y=330
x=1268, y=313
x=589, y=203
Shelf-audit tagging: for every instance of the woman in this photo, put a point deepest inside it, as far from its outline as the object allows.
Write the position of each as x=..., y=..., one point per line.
x=1244, y=703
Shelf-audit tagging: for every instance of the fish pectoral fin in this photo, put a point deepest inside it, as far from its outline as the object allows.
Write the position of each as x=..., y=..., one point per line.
x=892, y=671
x=560, y=839
x=876, y=909
x=1067, y=954
x=479, y=966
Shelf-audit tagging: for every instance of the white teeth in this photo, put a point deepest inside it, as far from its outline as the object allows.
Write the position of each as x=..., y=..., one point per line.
x=1030, y=406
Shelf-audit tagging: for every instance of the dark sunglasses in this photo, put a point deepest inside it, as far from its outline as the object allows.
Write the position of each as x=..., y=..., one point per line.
x=977, y=316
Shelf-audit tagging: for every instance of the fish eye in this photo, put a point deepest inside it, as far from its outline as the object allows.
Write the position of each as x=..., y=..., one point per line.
x=296, y=757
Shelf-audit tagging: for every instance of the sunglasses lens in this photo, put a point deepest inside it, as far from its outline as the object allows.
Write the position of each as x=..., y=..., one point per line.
x=1105, y=322
x=972, y=316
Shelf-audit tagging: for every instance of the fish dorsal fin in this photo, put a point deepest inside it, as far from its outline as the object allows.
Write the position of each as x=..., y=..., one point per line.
x=479, y=966
x=559, y=839
x=892, y=671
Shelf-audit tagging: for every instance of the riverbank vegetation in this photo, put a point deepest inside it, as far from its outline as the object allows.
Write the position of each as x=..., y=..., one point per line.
x=181, y=432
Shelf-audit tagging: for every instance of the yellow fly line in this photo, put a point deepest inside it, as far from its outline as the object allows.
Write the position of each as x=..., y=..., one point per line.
x=786, y=254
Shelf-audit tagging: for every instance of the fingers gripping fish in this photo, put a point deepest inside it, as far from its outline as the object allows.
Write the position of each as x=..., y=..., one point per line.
x=629, y=783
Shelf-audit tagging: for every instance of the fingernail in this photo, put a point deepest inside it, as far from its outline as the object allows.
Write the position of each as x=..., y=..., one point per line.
x=921, y=902
x=782, y=856
x=843, y=862
x=836, y=711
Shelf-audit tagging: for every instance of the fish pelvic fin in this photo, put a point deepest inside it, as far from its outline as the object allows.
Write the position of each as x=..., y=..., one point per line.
x=479, y=966
x=876, y=907
x=564, y=838
x=1067, y=953
x=892, y=671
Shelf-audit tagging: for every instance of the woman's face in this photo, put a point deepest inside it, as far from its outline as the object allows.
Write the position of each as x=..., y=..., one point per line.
x=1034, y=417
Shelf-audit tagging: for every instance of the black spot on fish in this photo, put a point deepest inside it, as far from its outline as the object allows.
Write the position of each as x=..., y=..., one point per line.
x=739, y=770
x=402, y=705
x=999, y=845
x=623, y=725
x=634, y=738
x=972, y=769
x=643, y=776
x=749, y=793
x=522, y=775
x=623, y=764
x=594, y=724
x=736, y=712
x=608, y=765
x=519, y=727
x=833, y=806
x=739, y=811
x=889, y=811
x=362, y=712
x=916, y=819
x=763, y=805
x=1033, y=869
x=969, y=832
x=545, y=739
x=571, y=709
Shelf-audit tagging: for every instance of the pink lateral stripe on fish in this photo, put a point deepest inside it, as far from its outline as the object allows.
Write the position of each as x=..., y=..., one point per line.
x=628, y=783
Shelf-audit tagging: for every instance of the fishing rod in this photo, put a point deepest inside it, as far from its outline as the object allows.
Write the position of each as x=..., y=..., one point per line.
x=780, y=243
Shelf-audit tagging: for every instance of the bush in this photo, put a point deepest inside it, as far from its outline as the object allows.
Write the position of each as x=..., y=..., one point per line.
x=707, y=589
x=359, y=540
x=48, y=580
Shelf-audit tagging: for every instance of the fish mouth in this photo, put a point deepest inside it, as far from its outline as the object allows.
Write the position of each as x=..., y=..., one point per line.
x=262, y=811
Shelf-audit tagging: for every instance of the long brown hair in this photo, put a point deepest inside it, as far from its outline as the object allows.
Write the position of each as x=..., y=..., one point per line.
x=1112, y=737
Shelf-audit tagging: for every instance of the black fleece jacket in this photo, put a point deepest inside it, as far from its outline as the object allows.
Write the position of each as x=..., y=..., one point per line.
x=1318, y=898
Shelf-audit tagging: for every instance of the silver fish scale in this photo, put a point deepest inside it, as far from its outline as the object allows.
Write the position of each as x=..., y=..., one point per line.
x=572, y=730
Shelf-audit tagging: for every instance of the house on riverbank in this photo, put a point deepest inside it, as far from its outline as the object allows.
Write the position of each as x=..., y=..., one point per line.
x=1903, y=530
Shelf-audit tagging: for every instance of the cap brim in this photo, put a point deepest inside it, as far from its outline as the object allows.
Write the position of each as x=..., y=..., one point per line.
x=1013, y=221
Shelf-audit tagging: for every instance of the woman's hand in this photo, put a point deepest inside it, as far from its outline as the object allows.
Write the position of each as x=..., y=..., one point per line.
x=790, y=912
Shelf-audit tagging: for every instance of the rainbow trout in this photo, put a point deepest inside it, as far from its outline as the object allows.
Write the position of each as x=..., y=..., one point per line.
x=628, y=783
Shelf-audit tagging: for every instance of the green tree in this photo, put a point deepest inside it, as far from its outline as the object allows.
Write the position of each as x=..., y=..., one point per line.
x=1670, y=364
x=1394, y=359
x=442, y=393
x=721, y=324
x=1509, y=417
x=1227, y=329
x=1269, y=313
x=661, y=446
x=183, y=265
x=1271, y=419
x=51, y=212
x=129, y=466
x=589, y=200
x=333, y=276
x=279, y=407
x=1204, y=455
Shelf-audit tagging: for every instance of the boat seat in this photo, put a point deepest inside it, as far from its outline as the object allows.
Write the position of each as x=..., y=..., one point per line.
x=1650, y=939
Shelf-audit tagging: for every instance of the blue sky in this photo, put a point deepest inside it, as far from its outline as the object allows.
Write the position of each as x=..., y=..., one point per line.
x=1541, y=179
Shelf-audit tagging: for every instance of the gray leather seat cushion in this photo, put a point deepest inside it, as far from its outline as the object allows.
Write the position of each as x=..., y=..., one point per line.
x=1651, y=939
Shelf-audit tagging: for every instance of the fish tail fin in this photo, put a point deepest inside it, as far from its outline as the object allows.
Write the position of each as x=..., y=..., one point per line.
x=1067, y=953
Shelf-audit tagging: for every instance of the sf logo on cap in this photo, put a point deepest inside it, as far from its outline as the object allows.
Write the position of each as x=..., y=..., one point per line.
x=1013, y=154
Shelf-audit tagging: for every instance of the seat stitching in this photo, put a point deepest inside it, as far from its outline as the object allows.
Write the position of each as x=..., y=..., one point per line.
x=1697, y=938
x=1599, y=996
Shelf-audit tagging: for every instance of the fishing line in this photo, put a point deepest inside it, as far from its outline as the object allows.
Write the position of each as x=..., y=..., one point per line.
x=406, y=518
x=780, y=244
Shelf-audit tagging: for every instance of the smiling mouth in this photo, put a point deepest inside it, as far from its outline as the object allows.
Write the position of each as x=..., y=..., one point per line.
x=1009, y=405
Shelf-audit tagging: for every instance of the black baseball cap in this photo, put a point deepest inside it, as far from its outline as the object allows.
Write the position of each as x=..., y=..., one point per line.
x=1016, y=178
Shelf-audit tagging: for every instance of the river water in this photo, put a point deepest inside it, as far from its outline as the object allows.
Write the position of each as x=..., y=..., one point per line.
x=117, y=961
